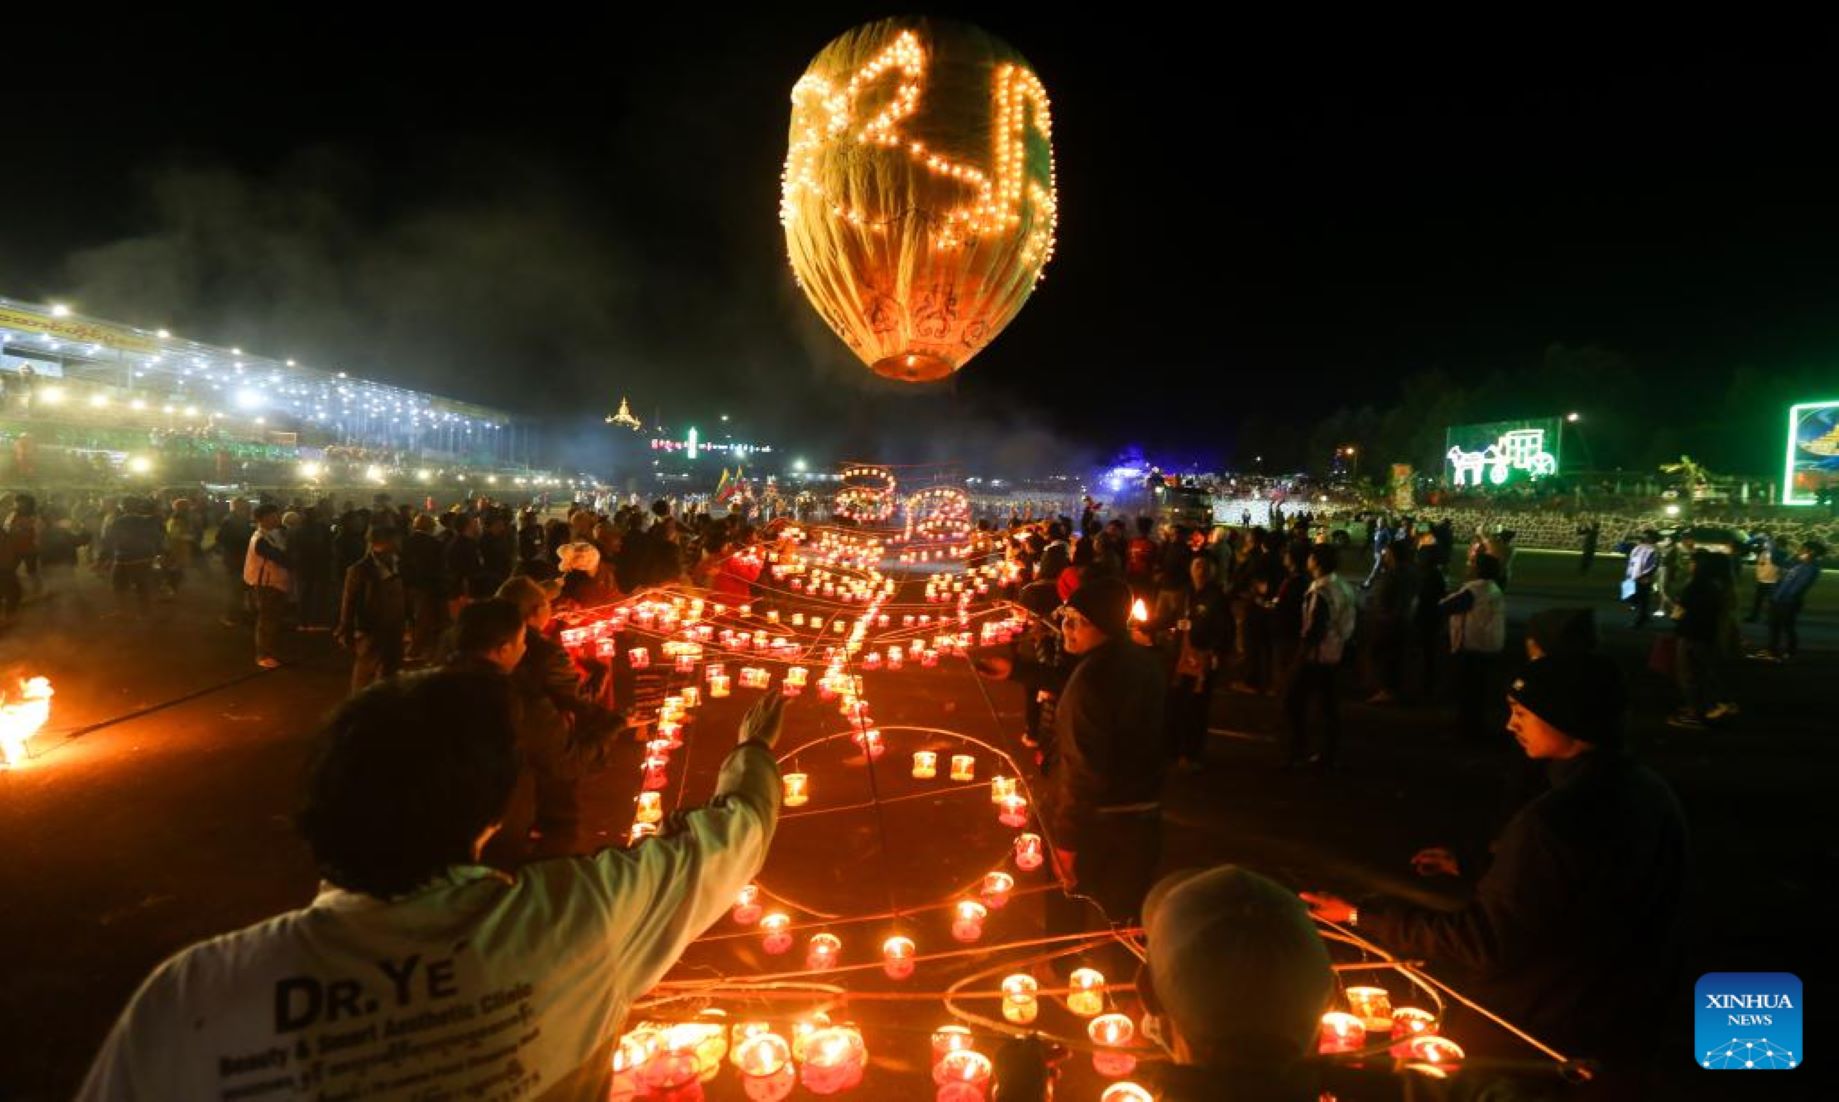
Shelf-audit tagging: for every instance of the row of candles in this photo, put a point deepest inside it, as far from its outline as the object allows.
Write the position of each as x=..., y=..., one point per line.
x=1414, y=1034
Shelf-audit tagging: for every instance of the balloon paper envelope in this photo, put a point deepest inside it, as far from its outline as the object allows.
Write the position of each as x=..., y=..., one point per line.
x=918, y=198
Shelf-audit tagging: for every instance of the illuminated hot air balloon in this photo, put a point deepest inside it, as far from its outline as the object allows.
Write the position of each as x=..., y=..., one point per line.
x=918, y=197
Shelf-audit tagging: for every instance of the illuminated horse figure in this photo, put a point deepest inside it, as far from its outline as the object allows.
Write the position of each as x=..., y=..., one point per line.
x=1469, y=464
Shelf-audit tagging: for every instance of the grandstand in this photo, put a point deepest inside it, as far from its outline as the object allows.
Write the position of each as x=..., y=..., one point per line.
x=92, y=400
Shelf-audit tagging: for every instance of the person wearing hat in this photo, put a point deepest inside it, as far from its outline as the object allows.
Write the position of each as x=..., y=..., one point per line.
x=1234, y=986
x=1575, y=932
x=1100, y=802
x=373, y=614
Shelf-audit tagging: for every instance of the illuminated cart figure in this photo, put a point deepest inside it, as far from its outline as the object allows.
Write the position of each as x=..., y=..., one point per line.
x=1516, y=450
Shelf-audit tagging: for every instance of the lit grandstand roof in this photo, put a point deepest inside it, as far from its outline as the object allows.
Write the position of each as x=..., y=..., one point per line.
x=106, y=352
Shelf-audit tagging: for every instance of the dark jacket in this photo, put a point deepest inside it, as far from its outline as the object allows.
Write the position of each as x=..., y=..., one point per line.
x=133, y=538
x=374, y=603
x=1795, y=583
x=1701, y=605
x=1575, y=932
x=233, y=542
x=1107, y=737
x=422, y=567
x=461, y=562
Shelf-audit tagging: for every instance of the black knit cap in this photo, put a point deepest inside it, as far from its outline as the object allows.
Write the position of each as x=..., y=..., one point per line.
x=1105, y=602
x=1580, y=694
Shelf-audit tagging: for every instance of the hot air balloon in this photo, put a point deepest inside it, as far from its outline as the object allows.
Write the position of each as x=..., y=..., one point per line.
x=918, y=196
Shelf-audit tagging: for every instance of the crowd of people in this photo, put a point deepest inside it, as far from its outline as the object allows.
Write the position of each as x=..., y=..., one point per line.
x=445, y=805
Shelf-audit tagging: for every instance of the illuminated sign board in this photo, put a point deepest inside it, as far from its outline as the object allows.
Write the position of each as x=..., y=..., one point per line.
x=1813, y=452
x=1495, y=453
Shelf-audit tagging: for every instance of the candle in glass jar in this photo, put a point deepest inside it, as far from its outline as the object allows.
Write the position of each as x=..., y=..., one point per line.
x=639, y=657
x=642, y=831
x=833, y=1060
x=686, y=664
x=996, y=889
x=925, y=765
x=651, y=807
x=963, y=767
x=775, y=927
x=1428, y=1048
x=1111, y=1030
x=797, y=789
x=962, y=1067
x=747, y=906
x=1126, y=1092
x=718, y=686
x=762, y=1055
x=1014, y=812
x=1028, y=853
x=1019, y=1003
x=1341, y=1032
x=870, y=742
x=798, y=618
x=1409, y=1021
x=950, y=1038
x=670, y=733
x=895, y=658
x=897, y=957
x=1373, y=1006
x=1086, y=996
x=967, y=920
x=822, y=951
x=690, y=695
x=1001, y=788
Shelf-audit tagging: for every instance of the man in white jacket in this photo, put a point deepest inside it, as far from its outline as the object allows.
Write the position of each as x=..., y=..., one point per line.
x=1477, y=635
x=416, y=971
x=1328, y=626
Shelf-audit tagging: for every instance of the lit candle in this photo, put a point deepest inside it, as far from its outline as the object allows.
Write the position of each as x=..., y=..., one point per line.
x=1373, y=1006
x=897, y=957
x=1001, y=788
x=670, y=733
x=1341, y=1032
x=686, y=664
x=1428, y=1048
x=1014, y=812
x=950, y=1038
x=651, y=807
x=718, y=687
x=870, y=742
x=895, y=658
x=925, y=765
x=963, y=767
x=657, y=775
x=772, y=615
x=642, y=831
x=963, y=1066
x=834, y=1060
x=639, y=657
x=1409, y=1021
x=929, y=659
x=797, y=789
x=762, y=1055
x=1086, y=997
x=1028, y=855
x=774, y=926
x=798, y=618
x=1111, y=1030
x=1019, y=1004
x=822, y=951
x=747, y=906
x=871, y=660
x=1126, y=1092
x=996, y=889
x=691, y=696
x=714, y=670
x=967, y=921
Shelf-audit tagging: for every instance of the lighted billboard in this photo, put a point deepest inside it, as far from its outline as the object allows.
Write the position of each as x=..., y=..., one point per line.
x=1813, y=452
x=1495, y=453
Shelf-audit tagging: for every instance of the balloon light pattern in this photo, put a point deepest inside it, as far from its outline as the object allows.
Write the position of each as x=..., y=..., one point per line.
x=867, y=495
x=945, y=912
x=918, y=194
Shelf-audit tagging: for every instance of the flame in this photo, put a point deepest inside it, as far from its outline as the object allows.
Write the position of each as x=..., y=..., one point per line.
x=1139, y=612
x=21, y=718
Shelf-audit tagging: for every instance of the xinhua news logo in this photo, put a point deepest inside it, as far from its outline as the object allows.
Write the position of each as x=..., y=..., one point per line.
x=1747, y=1021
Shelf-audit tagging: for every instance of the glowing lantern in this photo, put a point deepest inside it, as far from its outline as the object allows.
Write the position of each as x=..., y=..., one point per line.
x=762, y=1055
x=822, y=952
x=967, y=920
x=897, y=957
x=1087, y=996
x=962, y=1065
x=925, y=765
x=996, y=889
x=918, y=223
x=1373, y=1006
x=1028, y=852
x=1019, y=1003
x=1341, y=1032
x=777, y=939
x=834, y=1060
x=950, y=1038
x=797, y=789
x=1001, y=788
x=1111, y=1030
x=747, y=906
x=1437, y=1052
x=963, y=767
x=1014, y=812
x=651, y=807
x=1126, y=1092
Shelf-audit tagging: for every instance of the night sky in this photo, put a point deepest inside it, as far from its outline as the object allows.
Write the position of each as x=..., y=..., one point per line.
x=1255, y=223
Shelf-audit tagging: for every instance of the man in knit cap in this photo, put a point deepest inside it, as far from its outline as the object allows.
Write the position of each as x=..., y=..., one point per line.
x=1576, y=930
